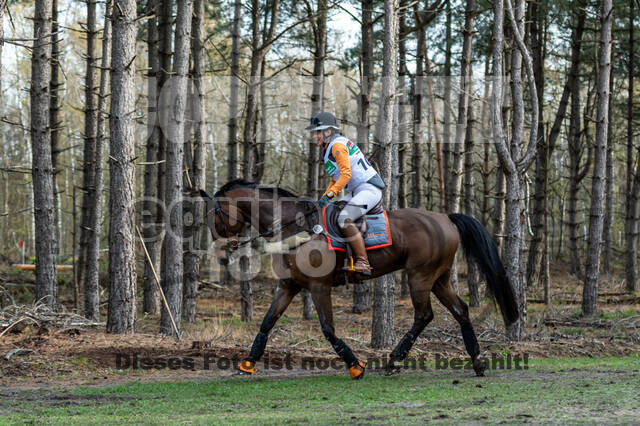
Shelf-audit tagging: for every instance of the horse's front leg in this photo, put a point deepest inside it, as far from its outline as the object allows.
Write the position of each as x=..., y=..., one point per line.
x=321, y=295
x=281, y=300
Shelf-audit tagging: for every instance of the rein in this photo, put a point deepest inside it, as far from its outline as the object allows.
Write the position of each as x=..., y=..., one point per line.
x=219, y=211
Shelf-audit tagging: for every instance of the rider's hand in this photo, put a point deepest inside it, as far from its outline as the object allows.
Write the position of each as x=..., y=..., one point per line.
x=323, y=201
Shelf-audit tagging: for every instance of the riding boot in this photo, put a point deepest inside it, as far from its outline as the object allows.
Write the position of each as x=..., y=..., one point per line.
x=352, y=232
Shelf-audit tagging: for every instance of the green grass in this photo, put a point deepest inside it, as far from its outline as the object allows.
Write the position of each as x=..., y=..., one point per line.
x=618, y=314
x=579, y=390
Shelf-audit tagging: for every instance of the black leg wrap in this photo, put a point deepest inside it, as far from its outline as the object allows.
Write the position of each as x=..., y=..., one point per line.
x=470, y=341
x=258, y=347
x=403, y=348
x=344, y=352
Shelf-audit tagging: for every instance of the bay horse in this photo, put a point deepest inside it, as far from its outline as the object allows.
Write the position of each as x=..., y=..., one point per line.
x=424, y=243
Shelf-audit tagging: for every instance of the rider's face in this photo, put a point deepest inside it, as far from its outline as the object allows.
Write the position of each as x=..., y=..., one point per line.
x=318, y=136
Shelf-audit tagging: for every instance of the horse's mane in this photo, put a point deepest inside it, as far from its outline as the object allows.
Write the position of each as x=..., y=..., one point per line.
x=241, y=183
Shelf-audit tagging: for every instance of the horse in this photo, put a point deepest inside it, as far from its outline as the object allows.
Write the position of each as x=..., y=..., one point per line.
x=424, y=243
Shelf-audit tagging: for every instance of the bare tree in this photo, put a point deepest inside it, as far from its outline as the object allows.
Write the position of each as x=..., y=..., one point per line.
x=41, y=164
x=197, y=170
x=259, y=48
x=382, y=334
x=632, y=207
x=232, y=144
x=463, y=107
x=90, y=135
x=590, y=292
x=609, y=185
x=3, y=5
x=319, y=28
x=513, y=164
x=122, y=259
x=173, y=254
x=150, y=230
x=54, y=111
x=576, y=144
x=362, y=290
x=94, y=189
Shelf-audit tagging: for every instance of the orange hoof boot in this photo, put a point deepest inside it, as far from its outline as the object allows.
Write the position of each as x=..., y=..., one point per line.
x=357, y=370
x=246, y=367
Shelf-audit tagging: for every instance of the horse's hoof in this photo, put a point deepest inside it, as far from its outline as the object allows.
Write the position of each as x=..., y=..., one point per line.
x=246, y=368
x=479, y=366
x=392, y=371
x=357, y=370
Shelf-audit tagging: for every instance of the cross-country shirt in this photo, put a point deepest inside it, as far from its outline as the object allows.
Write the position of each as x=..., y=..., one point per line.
x=346, y=164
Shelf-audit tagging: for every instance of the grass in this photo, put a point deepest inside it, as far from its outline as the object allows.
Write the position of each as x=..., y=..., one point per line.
x=574, y=390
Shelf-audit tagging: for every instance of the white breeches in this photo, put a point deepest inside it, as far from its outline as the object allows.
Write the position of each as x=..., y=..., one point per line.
x=361, y=200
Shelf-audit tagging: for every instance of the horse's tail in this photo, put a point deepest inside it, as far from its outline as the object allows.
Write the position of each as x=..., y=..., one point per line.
x=478, y=245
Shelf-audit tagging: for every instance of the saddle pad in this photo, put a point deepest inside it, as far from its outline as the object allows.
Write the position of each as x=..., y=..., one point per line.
x=378, y=234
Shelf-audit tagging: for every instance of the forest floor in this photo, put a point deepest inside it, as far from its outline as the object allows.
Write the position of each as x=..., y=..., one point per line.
x=72, y=356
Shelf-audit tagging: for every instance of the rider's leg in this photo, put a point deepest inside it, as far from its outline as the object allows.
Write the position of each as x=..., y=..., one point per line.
x=280, y=302
x=364, y=198
x=321, y=294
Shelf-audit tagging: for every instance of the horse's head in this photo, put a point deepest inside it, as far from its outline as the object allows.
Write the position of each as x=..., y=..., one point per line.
x=225, y=222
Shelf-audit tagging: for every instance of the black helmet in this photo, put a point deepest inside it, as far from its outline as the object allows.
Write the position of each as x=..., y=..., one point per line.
x=324, y=120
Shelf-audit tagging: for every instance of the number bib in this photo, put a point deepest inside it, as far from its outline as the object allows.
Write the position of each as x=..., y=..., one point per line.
x=361, y=170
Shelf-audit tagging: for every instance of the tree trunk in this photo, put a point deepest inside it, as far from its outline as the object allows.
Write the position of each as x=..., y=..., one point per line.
x=42, y=168
x=382, y=334
x=631, y=218
x=94, y=220
x=576, y=149
x=590, y=292
x=259, y=49
x=232, y=143
x=446, y=110
x=54, y=120
x=366, y=79
x=192, y=256
x=513, y=164
x=90, y=135
x=463, y=106
x=362, y=290
x=150, y=230
x=173, y=261
x=156, y=246
x=609, y=176
x=542, y=157
x=3, y=4
x=416, y=140
x=473, y=274
x=122, y=193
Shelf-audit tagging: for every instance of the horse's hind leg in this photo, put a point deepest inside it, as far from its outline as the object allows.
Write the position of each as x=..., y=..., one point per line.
x=420, y=288
x=321, y=295
x=460, y=311
x=281, y=300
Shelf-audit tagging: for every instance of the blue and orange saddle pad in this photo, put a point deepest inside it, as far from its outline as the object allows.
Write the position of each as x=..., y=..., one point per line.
x=378, y=234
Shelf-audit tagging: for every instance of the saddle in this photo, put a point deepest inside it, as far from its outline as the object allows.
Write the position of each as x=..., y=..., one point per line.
x=333, y=211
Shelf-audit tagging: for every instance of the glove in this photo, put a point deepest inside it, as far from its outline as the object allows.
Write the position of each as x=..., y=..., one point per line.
x=323, y=201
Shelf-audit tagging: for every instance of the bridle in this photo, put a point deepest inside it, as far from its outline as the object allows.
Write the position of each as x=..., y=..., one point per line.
x=234, y=243
x=219, y=211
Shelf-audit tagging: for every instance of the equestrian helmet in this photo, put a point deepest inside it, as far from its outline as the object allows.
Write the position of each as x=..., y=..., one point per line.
x=322, y=121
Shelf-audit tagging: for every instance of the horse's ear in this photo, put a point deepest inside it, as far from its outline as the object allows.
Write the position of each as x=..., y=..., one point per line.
x=204, y=194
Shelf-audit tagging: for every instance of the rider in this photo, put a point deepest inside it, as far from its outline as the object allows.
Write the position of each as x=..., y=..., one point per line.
x=350, y=170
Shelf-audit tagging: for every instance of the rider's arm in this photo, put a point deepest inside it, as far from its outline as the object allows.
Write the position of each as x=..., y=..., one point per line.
x=329, y=187
x=340, y=153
